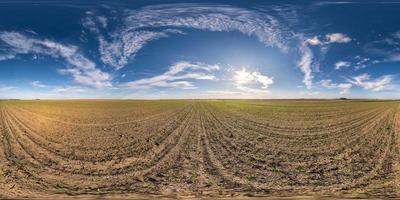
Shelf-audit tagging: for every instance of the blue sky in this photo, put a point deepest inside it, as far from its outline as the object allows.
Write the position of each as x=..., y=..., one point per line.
x=199, y=49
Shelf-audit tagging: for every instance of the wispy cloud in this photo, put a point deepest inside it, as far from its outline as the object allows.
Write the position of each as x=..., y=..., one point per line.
x=84, y=70
x=329, y=38
x=120, y=45
x=38, y=84
x=344, y=87
x=388, y=48
x=179, y=75
x=69, y=89
x=56, y=89
x=325, y=3
x=139, y=27
x=93, y=77
x=237, y=94
x=337, y=38
x=307, y=61
x=314, y=41
x=305, y=64
x=361, y=62
x=4, y=88
x=6, y=57
x=342, y=64
x=310, y=93
x=379, y=84
x=123, y=47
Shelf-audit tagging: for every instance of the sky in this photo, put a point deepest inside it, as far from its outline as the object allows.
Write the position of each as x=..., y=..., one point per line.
x=153, y=49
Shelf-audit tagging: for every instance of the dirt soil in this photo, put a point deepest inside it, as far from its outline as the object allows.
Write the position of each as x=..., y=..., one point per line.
x=199, y=148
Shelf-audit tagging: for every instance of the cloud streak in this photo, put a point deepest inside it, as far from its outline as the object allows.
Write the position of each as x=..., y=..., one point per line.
x=6, y=88
x=344, y=87
x=307, y=61
x=180, y=75
x=379, y=84
x=305, y=64
x=388, y=48
x=83, y=70
x=124, y=47
x=342, y=64
x=38, y=84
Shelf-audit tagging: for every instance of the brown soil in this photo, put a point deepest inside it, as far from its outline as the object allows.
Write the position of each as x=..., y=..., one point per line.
x=192, y=149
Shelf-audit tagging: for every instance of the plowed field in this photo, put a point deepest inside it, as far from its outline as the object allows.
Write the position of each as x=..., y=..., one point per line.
x=199, y=148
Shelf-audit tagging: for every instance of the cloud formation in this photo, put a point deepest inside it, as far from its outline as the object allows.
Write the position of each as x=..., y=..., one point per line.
x=307, y=60
x=180, y=75
x=337, y=38
x=139, y=27
x=38, y=84
x=6, y=57
x=305, y=64
x=342, y=64
x=329, y=38
x=69, y=89
x=6, y=88
x=379, y=84
x=83, y=70
x=120, y=49
x=387, y=48
x=252, y=82
x=344, y=87
x=121, y=36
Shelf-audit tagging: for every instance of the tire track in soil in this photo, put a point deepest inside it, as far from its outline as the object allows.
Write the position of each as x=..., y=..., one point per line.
x=159, y=157
x=194, y=154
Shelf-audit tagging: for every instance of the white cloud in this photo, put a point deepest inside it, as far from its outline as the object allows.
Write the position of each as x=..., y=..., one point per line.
x=121, y=45
x=344, y=87
x=103, y=21
x=379, y=84
x=6, y=57
x=329, y=38
x=337, y=38
x=394, y=57
x=342, y=64
x=310, y=93
x=388, y=48
x=118, y=51
x=246, y=81
x=6, y=88
x=213, y=18
x=84, y=70
x=305, y=64
x=179, y=75
x=324, y=3
x=38, y=84
x=69, y=89
x=314, y=41
x=307, y=61
x=238, y=94
x=361, y=62
x=94, y=77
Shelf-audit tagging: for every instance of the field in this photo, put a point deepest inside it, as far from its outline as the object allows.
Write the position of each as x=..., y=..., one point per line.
x=198, y=148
